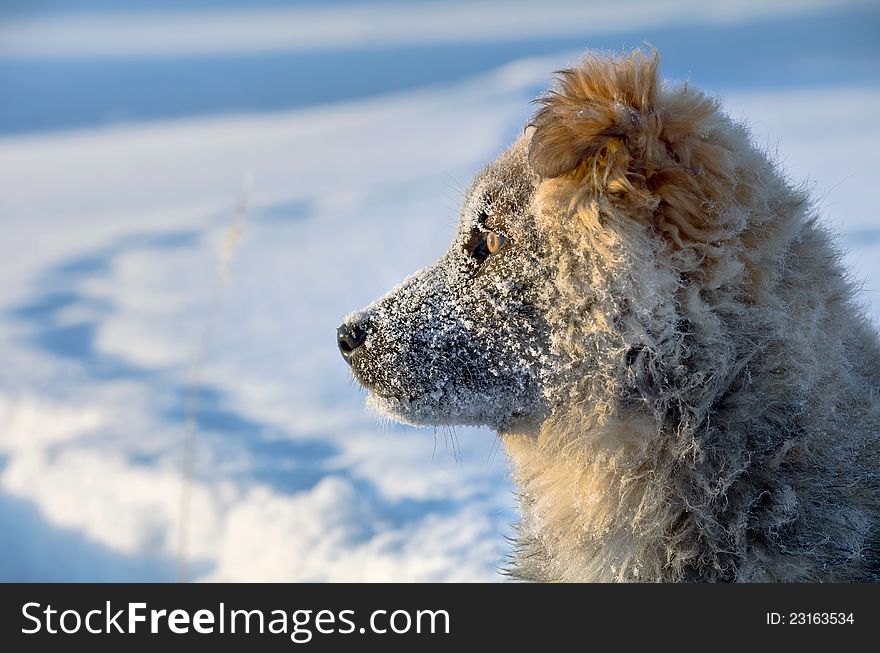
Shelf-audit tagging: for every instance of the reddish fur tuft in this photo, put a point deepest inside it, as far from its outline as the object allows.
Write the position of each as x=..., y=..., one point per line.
x=608, y=125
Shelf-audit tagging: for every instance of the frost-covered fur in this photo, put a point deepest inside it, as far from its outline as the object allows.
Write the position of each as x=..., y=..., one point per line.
x=666, y=342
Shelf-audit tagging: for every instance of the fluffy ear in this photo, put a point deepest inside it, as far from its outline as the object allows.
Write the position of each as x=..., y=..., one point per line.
x=594, y=115
x=607, y=126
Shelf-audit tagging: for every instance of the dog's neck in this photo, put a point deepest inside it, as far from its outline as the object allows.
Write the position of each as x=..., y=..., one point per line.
x=590, y=503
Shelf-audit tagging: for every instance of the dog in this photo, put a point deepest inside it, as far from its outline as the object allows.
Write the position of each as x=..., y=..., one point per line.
x=661, y=332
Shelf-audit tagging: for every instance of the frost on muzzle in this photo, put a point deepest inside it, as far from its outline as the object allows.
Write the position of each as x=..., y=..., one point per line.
x=448, y=347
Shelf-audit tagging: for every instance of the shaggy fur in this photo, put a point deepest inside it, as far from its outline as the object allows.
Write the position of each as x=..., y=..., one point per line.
x=666, y=342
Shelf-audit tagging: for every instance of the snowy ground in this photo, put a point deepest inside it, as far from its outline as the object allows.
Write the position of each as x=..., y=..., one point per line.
x=121, y=163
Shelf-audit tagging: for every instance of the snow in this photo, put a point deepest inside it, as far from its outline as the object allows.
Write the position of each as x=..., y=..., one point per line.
x=114, y=235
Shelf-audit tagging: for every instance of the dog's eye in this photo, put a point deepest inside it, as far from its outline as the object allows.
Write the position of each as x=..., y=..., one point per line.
x=494, y=242
x=485, y=243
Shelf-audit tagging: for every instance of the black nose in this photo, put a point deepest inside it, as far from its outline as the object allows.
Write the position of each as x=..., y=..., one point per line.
x=348, y=338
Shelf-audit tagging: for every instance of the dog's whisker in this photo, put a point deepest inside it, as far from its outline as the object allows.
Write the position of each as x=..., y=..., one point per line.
x=494, y=449
x=455, y=185
x=458, y=445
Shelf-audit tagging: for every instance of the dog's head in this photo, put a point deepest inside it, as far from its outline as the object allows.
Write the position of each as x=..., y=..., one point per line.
x=568, y=245
x=464, y=341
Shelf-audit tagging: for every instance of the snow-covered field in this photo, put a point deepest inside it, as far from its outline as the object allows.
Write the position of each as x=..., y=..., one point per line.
x=126, y=145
